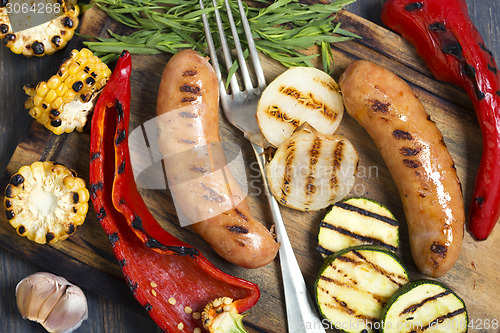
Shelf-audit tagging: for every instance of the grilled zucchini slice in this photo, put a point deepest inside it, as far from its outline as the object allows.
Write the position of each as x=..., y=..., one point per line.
x=425, y=305
x=357, y=221
x=354, y=284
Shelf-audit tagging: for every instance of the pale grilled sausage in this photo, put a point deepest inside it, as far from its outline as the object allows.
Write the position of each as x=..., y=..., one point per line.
x=203, y=189
x=416, y=155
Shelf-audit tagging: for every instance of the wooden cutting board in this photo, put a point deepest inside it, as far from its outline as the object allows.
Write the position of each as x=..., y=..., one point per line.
x=86, y=257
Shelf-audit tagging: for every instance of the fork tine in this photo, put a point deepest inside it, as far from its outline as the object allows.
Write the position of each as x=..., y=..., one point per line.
x=239, y=51
x=211, y=47
x=225, y=48
x=252, y=49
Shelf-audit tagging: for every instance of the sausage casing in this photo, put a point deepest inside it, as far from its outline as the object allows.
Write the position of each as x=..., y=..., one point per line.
x=416, y=155
x=202, y=187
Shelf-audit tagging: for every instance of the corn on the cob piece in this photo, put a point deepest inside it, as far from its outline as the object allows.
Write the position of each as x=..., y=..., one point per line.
x=43, y=39
x=63, y=103
x=46, y=202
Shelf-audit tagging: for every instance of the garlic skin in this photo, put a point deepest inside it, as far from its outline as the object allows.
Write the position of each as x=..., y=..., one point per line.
x=58, y=305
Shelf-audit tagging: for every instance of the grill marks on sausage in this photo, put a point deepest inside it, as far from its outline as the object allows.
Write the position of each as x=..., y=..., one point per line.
x=408, y=151
x=412, y=164
x=439, y=249
x=237, y=229
x=195, y=90
x=190, y=73
x=212, y=195
x=401, y=135
x=379, y=106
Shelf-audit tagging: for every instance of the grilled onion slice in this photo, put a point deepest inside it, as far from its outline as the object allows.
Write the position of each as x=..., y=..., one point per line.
x=310, y=170
x=300, y=94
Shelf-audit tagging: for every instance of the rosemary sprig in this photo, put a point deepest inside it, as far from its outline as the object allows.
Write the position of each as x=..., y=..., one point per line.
x=281, y=30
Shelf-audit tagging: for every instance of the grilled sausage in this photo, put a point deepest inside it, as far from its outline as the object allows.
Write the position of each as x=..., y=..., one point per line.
x=416, y=155
x=204, y=191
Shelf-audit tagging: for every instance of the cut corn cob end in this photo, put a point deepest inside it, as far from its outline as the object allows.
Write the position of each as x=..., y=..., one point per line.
x=46, y=202
x=64, y=102
x=43, y=39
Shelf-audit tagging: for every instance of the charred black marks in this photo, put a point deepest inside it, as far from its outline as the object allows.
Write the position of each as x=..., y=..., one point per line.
x=411, y=164
x=154, y=244
x=94, y=188
x=437, y=26
x=113, y=238
x=414, y=6
x=184, y=251
x=188, y=115
x=498, y=93
x=439, y=249
x=199, y=169
x=240, y=213
x=402, y=135
x=211, y=195
x=17, y=180
x=137, y=223
x=414, y=307
x=148, y=307
x=190, y=89
x=469, y=71
x=492, y=68
x=101, y=214
x=8, y=203
x=8, y=191
x=453, y=48
x=189, y=73
x=76, y=197
x=188, y=99
x=119, y=109
x=237, y=229
x=94, y=156
x=120, y=137
x=71, y=228
x=366, y=213
x=408, y=151
x=49, y=237
x=479, y=201
x=121, y=168
x=9, y=214
x=379, y=106
x=485, y=49
x=133, y=286
x=122, y=263
x=56, y=122
x=75, y=210
x=21, y=230
x=479, y=94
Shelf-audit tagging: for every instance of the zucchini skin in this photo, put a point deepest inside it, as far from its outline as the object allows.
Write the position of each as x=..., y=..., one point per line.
x=411, y=287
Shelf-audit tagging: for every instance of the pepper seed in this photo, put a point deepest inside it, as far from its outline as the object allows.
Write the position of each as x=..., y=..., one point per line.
x=180, y=326
x=172, y=300
x=153, y=284
x=197, y=330
x=188, y=310
x=196, y=315
x=153, y=292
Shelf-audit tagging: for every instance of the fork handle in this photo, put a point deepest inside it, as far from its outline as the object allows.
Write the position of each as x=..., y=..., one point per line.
x=300, y=311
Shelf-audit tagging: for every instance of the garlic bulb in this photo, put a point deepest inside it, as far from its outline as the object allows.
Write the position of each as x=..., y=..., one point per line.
x=52, y=301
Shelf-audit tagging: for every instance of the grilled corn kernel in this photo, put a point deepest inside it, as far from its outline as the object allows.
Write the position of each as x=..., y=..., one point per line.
x=63, y=103
x=46, y=202
x=44, y=39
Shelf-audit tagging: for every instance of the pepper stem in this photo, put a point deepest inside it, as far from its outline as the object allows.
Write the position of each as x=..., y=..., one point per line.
x=221, y=316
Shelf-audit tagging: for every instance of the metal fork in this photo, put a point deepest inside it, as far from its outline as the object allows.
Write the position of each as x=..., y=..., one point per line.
x=240, y=107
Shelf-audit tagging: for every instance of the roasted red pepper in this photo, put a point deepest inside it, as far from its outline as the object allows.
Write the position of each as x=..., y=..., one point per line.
x=169, y=278
x=445, y=37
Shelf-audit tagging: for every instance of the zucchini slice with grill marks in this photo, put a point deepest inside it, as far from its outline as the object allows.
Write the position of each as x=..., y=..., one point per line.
x=357, y=221
x=354, y=284
x=424, y=306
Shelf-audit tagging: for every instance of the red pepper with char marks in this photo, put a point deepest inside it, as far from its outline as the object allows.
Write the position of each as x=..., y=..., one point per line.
x=445, y=37
x=172, y=280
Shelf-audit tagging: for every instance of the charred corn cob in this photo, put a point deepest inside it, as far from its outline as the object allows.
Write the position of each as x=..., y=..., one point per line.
x=222, y=316
x=63, y=103
x=43, y=39
x=46, y=202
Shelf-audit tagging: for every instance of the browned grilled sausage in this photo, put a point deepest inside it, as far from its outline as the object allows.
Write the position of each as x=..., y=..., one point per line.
x=416, y=155
x=203, y=189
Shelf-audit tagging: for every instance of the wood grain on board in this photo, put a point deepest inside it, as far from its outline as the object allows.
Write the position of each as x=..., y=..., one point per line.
x=86, y=257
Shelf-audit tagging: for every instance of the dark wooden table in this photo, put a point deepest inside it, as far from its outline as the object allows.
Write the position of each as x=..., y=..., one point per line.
x=104, y=315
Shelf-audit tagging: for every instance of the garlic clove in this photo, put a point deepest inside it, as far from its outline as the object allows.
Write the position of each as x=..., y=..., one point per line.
x=52, y=301
x=69, y=312
x=37, y=294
